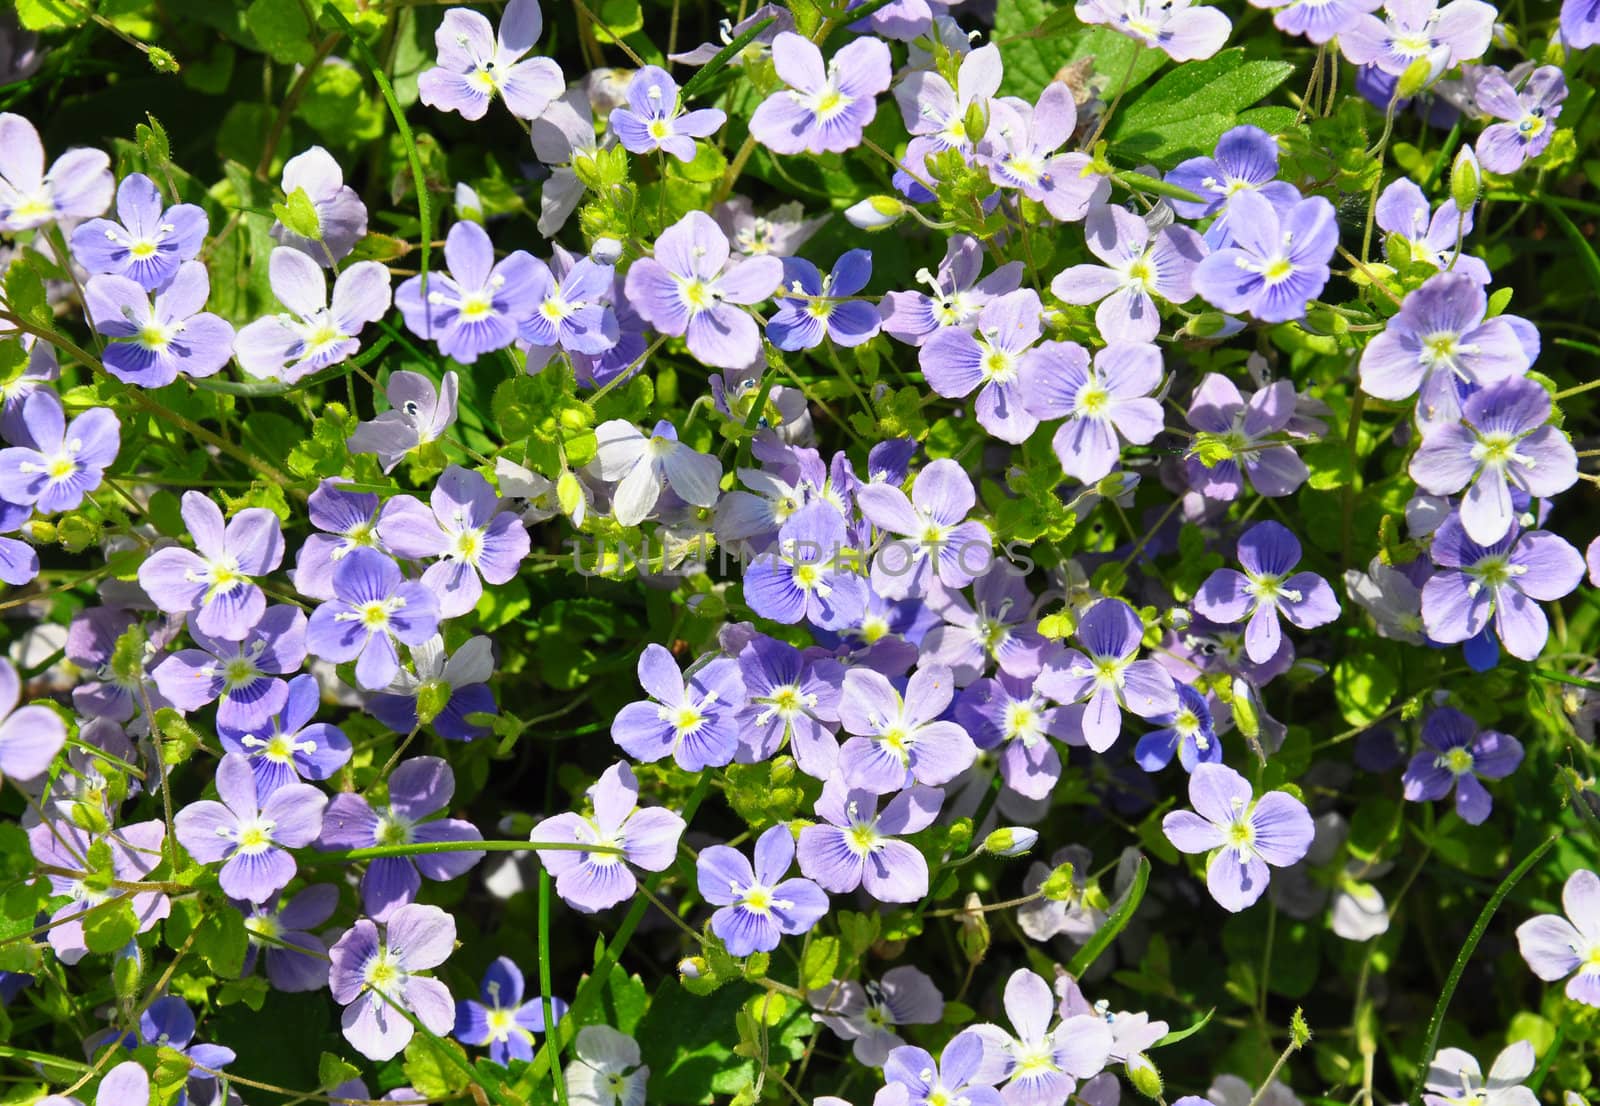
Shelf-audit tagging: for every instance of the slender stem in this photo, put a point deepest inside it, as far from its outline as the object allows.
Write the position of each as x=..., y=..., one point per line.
x=544, y=968
x=1122, y=87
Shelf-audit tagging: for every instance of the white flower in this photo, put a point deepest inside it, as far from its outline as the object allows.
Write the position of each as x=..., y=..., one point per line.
x=606, y=1071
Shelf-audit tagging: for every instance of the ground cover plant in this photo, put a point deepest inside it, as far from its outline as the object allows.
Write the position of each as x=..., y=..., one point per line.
x=673, y=552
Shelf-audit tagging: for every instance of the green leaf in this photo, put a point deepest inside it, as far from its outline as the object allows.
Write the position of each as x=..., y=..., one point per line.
x=821, y=959
x=337, y=107
x=299, y=214
x=108, y=929
x=428, y=1067
x=332, y=1070
x=721, y=58
x=1118, y=920
x=1365, y=683
x=1186, y=111
x=50, y=15
x=221, y=942
x=25, y=294
x=1040, y=38
x=281, y=29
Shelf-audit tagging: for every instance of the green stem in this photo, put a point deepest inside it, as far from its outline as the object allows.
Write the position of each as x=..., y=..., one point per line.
x=544, y=972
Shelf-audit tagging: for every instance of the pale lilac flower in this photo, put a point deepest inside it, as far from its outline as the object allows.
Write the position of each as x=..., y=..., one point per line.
x=312, y=334
x=867, y=1014
x=1435, y=240
x=899, y=736
x=19, y=561
x=42, y=366
x=1007, y=713
x=477, y=307
x=686, y=290
x=1508, y=579
x=462, y=525
x=1556, y=947
x=152, y=343
x=344, y=521
x=1105, y=675
x=371, y=973
x=1041, y=1059
x=780, y=232
x=1457, y=32
x=807, y=575
x=107, y=693
x=1321, y=21
x=296, y=958
x=1268, y=587
x=1181, y=29
x=1529, y=117
x=655, y=120
x=1135, y=270
x=1188, y=732
x=150, y=241
x=728, y=31
x=56, y=463
x=647, y=838
x=289, y=745
x=959, y=294
x=1277, y=262
x=126, y=1084
x=30, y=736
x=1454, y=1076
x=642, y=466
x=1019, y=150
x=1074, y=917
x=136, y=850
x=932, y=108
x=1247, y=440
x=372, y=608
x=822, y=110
x=1103, y=404
x=935, y=542
x=1503, y=441
x=914, y=1078
x=245, y=674
x=997, y=627
x=250, y=839
x=562, y=135
x=855, y=845
x=476, y=64
x=503, y=1020
x=1242, y=836
x=572, y=312
x=1580, y=23
x=691, y=720
x=956, y=363
x=77, y=186
x=605, y=1070
x=464, y=674
x=758, y=906
x=341, y=216
x=1245, y=160
x=217, y=579
x=821, y=307
x=1456, y=755
x=789, y=697
x=418, y=789
x=418, y=414
x=1391, y=596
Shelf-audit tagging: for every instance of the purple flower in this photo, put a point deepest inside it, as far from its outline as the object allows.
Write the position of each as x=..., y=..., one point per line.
x=1580, y=23
x=1449, y=35
x=958, y=294
x=807, y=575
x=867, y=1014
x=1556, y=947
x=1245, y=160
x=149, y=243
x=19, y=561
x=955, y=362
x=1440, y=342
x=126, y=1084
x=821, y=110
x=900, y=737
x=1266, y=588
x=345, y=521
x=418, y=414
x=1436, y=240
x=856, y=845
x=1042, y=1059
x=250, y=837
x=1106, y=677
x=691, y=720
x=244, y=674
x=136, y=850
x=757, y=905
x=932, y=108
x=341, y=216
x=1503, y=441
x=1530, y=117
x=1235, y=435
x=218, y=579
x=779, y=232
x=289, y=746
x=1276, y=263
x=296, y=958
x=465, y=675
x=1457, y=754
x=168, y=1023
x=91, y=642
x=152, y=343
x=1242, y=836
x=1319, y=20
x=819, y=309
x=1188, y=731
x=937, y=542
x=640, y=466
x=476, y=64
x=1102, y=404
x=477, y=307
x=30, y=737
x=655, y=120
x=502, y=1020
x=914, y=1079
x=997, y=626
x=1135, y=269
x=418, y=789
x=781, y=19
x=1508, y=579
x=372, y=607
x=574, y=312
x=789, y=697
x=1019, y=149
x=42, y=366
x=58, y=462
x=465, y=528
x=312, y=334
x=77, y=186
x=371, y=973
x=1181, y=29
x=1008, y=713
x=686, y=290
x=647, y=838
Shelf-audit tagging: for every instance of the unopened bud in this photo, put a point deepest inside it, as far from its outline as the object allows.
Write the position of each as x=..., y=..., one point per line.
x=1144, y=1076
x=1010, y=840
x=569, y=497
x=161, y=60
x=432, y=697
x=1422, y=73
x=1060, y=886
x=605, y=251
x=692, y=967
x=876, y=212
x=1244, y=710
x=1466, y=179
x=976, y=122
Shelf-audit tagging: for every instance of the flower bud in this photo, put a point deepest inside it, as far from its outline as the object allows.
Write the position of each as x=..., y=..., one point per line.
x=432, y=697
x=1143, y=1075
x=1010, y=841
x=41, y=530
x=1421, y=73
x=161, y=60
x=605, y=251
x=569, y=496
x=876, y=212
x=468, y=205
x=1060, y=885
x=692, y=967
x=1466, y=179
x=975, y=122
